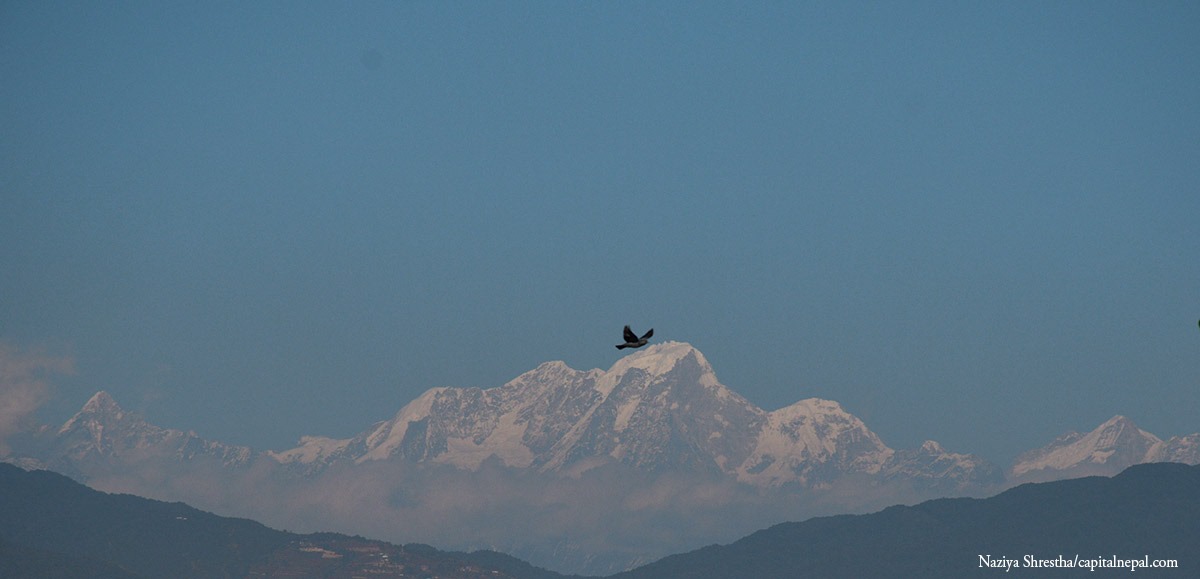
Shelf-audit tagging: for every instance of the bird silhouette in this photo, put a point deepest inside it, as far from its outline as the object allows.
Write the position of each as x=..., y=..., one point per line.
x=632, y=341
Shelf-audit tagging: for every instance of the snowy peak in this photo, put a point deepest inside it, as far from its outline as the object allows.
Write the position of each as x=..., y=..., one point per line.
x=101, y=403
x=811, y=442
x=387, y=437
x=815, y=441
x=99, y=409
x=659, y=359
x=102, y=430
x=670, y=363
x=554, y=416
x=1114, y=445
x=310, y=449
x=1185, y=449
x=812, y=408
x=932, y=466
x=660, y=408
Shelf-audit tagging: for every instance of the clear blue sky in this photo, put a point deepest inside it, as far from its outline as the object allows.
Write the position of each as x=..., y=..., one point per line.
x=972, y=222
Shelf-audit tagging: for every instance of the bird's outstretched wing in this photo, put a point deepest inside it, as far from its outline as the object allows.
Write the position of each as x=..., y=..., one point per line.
x=629, y=335
x=648, y=334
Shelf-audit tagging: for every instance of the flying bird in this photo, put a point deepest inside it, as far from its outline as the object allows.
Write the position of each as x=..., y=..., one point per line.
x=632, y=341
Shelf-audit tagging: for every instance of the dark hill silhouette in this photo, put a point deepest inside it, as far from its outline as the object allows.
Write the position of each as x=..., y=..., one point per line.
x=17, y=561
x=48, y=511
x=1147, y=510
x=52, y=526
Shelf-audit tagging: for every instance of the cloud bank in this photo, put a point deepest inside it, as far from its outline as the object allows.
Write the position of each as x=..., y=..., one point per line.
x=24, y=387
x=606, y=520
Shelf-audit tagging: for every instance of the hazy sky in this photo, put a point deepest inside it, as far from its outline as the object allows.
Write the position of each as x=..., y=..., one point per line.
x=972, y=222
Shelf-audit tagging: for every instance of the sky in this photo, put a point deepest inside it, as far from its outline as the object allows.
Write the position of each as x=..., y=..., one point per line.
x=977, y=223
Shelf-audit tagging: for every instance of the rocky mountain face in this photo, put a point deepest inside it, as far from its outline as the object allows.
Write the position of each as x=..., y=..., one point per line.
x=661, y=409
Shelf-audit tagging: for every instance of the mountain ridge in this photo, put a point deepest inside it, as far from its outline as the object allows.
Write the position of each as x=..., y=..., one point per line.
x=1147, y=512
x=65, y=525
x=1146, y=515
x=660, y=408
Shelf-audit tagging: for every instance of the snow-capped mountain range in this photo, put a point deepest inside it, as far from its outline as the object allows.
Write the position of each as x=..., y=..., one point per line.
x=659, y=409
x=580, y=471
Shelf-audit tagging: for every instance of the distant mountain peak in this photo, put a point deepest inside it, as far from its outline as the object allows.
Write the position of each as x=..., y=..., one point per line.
x=812, y=441
x=810, y=406
x=101, y=402
x=310, y=449
x=552, y=365
x=932, y=466
x=659, y=358
x=1110, y=447
x=99, y=408
x=103, y=428
x=1118, y=420
x=1185, y=449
